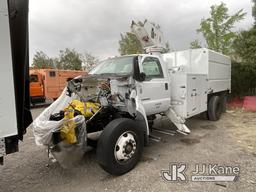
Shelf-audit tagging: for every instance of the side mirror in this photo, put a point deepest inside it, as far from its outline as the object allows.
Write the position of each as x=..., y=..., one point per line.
x=142, y=76
x=71, y=88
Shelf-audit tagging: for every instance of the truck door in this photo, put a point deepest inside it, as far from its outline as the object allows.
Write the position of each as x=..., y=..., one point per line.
x=36, y=86
x=154, y=90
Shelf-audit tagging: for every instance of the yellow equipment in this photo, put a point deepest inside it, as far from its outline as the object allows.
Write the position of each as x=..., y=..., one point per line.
x=86, y=109
x=67, y=132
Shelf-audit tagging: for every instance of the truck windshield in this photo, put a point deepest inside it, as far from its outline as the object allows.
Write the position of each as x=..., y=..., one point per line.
x=118, y=65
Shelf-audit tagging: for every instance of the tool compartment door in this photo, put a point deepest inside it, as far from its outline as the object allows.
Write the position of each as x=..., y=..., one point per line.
x=196, y=94
x=191, y=95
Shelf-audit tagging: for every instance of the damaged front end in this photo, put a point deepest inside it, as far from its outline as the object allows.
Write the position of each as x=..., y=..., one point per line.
x=74, y=122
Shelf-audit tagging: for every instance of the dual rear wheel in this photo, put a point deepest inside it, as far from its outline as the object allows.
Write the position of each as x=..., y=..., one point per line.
x=216, y=106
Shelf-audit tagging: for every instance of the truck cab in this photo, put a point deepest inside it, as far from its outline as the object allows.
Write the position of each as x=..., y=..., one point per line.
x=154, y=90
x=150, y=75
x=36, y=88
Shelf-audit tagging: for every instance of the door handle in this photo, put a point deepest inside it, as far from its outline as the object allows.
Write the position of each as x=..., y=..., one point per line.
x=145, y=99
x=166, y=86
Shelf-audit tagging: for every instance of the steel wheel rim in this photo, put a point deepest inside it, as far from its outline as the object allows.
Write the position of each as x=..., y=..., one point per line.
x=125, y=147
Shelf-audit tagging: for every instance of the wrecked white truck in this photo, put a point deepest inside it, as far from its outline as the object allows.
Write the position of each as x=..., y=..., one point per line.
x=113, y=108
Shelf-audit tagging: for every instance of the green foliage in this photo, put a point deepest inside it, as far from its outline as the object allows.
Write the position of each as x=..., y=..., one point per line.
x=245, y=47
x=217, y=29
x=42, y=61
x=195, y=44
x=243, y=77
x=244, y=72
x=129, y=44
x=69, y=59
x=89, y=61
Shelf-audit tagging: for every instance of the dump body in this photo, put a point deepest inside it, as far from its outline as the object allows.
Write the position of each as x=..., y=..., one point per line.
x=49, y=83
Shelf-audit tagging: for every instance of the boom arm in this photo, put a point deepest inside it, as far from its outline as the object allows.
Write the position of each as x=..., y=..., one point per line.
x=149, y=35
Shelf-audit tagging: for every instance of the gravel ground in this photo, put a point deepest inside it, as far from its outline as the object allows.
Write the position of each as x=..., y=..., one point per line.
x=229, y=141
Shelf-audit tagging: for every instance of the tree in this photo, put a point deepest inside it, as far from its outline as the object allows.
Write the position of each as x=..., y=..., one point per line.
x=89, y=61
x=129, y=44
x=245, y=46
x=69, y=59
x=195, y=44
x=244, y=65
x=217, y=29
x=42, y=61
x=245, y=43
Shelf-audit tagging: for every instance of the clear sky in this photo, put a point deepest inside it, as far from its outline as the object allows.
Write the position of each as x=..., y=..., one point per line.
x=95, y=25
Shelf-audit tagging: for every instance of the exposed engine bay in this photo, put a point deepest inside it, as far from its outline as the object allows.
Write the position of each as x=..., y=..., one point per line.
x=85, y=107
x=104, y=99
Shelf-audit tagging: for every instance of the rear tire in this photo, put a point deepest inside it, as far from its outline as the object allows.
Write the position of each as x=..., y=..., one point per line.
x=224, y=103
x=204, y=115
x=120, y=146
x=215, y=108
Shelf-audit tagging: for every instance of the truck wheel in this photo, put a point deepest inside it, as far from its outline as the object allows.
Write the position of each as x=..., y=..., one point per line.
x=120, y=146
x=215, y=108
x=204, y=115
x=224, y=103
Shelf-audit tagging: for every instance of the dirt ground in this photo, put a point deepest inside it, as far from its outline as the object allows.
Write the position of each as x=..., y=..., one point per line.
x=229, y=141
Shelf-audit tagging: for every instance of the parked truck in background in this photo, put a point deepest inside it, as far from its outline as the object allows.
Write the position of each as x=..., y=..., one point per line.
x=49, y=83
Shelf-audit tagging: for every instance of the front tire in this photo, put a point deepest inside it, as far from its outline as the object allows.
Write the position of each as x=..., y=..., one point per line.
x=120, y=146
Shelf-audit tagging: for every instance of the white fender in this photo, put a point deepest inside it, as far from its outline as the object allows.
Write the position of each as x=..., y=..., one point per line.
x=141, y=110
